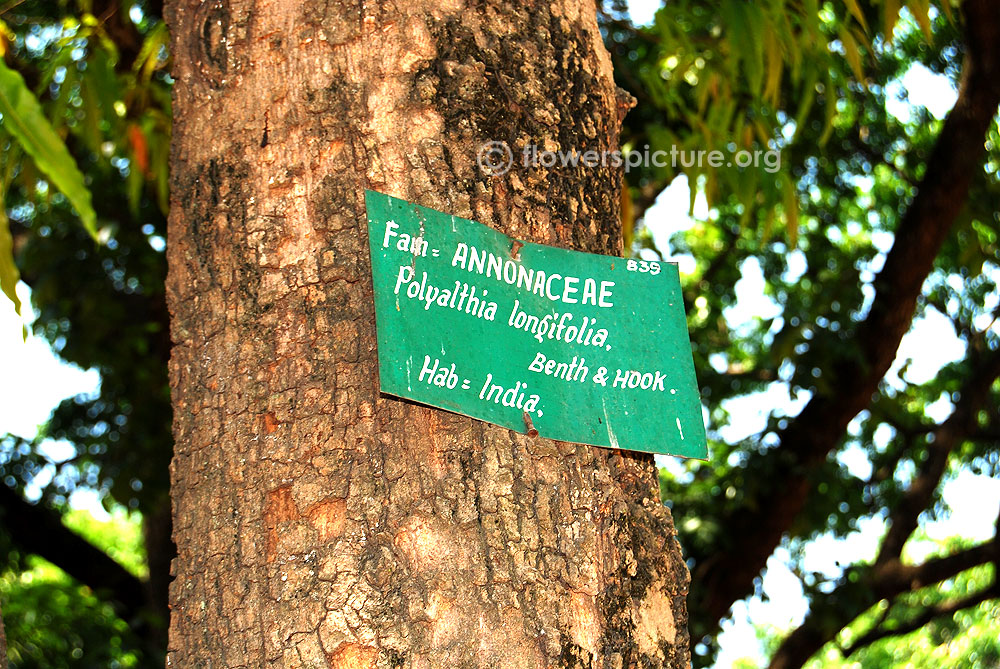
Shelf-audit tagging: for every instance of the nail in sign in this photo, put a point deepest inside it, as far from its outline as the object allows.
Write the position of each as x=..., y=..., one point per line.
x=580, y=347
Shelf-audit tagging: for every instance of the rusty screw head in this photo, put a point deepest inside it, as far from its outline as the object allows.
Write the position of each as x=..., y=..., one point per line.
x=532, y=432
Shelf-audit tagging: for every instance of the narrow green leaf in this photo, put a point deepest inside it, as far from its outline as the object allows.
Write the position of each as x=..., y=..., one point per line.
x=855, y=10
x=765, y=234
x=946, y=8
x=891, y=8
x=104, y=83
x=9, y=276
x=852, y=53
x=745, y=23
x=831, y=110
x=148, y=58
x=920, y=9
x=90, y=124
x=791, y=206
x=810, y=16
x=806, y=100
x=775, y=65
x=23, y=118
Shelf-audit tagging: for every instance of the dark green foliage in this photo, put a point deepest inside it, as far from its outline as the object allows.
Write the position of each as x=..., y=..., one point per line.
x=52, y=621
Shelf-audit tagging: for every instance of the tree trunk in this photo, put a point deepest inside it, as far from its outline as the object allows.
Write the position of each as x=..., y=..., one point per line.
x=319, y=523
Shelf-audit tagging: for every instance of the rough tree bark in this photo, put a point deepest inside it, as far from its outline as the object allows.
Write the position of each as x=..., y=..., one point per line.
x=317, y=522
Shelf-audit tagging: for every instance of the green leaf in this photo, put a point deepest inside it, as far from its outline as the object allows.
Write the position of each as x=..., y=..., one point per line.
x=891, y=8
x=746, y=23
x=946, y=8
x=852, y=53
x=791, y=212
x=775, y=65
x=9, y=276
x=23, y=118
x=148, y=59
x=920, y=9
x=806, y=100
x=100, y=75
x=831, y=110
x=852, y=7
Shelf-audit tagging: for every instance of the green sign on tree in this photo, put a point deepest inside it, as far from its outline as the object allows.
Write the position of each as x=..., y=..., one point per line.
x=580, y=347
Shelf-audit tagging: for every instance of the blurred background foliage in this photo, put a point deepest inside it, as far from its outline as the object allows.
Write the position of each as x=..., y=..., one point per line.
x=872, y=221
x=53, y=621
x=97, y=73
x=867, y=222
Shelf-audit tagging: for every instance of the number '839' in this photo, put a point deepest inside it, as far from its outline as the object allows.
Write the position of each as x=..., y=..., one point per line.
x=634, y=265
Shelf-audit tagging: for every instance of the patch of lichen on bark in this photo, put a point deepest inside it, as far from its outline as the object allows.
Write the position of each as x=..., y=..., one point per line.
x=648, y=557
x=535, y=95
x=575, y=657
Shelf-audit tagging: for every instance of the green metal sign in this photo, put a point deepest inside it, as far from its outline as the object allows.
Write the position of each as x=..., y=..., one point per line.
x=580, y=347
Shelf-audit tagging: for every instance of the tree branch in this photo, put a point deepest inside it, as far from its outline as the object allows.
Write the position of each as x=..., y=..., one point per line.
x=855, y=596
x=810, y=437
x=951, y=433
x=888, y=577
x=895, y=577
x=37, y=530
x=927, y=615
